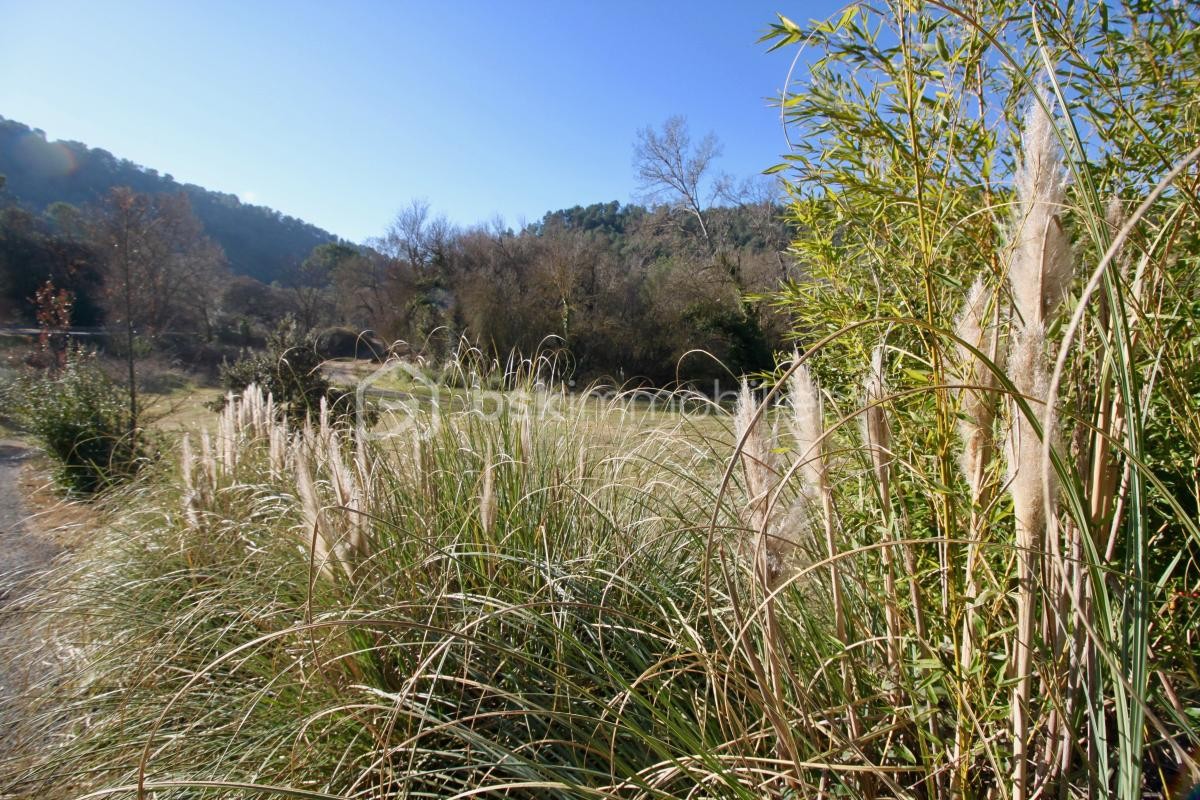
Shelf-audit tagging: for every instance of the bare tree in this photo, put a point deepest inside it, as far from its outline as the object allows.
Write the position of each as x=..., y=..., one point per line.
x=414, y=235
x=668, y=166
x=124, y=231
x=158, y=269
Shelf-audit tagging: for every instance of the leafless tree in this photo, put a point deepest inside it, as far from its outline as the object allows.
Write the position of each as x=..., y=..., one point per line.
x=669, y=166
x=159, y=269
x=415, y=236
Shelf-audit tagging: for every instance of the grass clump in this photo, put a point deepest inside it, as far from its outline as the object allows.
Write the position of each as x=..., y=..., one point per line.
x=498, y=602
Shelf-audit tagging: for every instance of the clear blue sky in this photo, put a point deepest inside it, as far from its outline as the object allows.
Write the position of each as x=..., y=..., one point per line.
x=340, y=112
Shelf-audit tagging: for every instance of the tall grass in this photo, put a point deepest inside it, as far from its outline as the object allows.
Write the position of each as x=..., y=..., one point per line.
x=501, y=601
x=611, y=601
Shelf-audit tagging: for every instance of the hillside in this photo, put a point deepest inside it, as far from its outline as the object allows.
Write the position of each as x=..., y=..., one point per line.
x=258, y=241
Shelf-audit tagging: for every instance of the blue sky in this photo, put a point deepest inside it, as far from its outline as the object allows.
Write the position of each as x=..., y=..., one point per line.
x=341, y=112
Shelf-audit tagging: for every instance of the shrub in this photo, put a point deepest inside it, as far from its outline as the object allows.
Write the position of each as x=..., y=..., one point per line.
x=290, y=371
x=81, y=417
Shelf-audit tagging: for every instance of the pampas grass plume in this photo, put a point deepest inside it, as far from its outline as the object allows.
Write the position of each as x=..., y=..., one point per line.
x=808, y=427
x=876, y=432
x=977, y=399
x=1041, y=265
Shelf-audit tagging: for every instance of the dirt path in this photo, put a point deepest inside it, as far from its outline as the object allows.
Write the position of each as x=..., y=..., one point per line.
x=23, y=556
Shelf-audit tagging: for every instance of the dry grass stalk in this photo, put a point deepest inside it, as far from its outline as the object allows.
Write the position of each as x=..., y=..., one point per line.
x=187, y=466
x=1040, y=269
x=362, y=463
x=324, y=428
x=758, y=466
x=1101, y=472
x=771, y=545
x=877, y=437
x=208, y=460
x=487, y=495
x=1110, y=414
x=227, y=434
x=977, y=400
x=278, y=446
x=314, y=523
x=808, y=427
x=250, y=418
x=351, y=539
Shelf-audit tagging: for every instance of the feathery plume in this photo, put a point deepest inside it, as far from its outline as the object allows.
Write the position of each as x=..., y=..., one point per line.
x=770, y=545
x=1040, y=270
x=187, y=467
x=1024, y=448
x=208, y=461
x=227, y=436
x=977, y=398
x=526, y=435
x=876, y=433
x=310, y=507
x=277, y=448
x=1040, y=265
x=324, y=427
x=348, y=498
x=185, y=463
x=362, y=463
x=808, y=427
x=756, y=454
x=487, y=497
x=240, y=408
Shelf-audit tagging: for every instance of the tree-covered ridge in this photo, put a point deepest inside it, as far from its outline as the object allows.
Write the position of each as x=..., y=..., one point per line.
x=258, y=241
x=654, y=293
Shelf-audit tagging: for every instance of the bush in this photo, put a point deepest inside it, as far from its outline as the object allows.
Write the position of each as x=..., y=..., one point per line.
x=81, y=418
x=290, y=370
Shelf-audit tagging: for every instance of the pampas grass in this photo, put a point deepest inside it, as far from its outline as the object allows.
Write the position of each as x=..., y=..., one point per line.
x=877, y=437
x=808, y=428
x=1040, y=269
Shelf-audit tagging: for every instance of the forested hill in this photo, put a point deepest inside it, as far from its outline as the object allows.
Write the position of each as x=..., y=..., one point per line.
x=258, y=241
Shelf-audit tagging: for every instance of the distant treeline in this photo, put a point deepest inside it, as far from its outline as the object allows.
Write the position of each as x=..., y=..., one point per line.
x=656, y=294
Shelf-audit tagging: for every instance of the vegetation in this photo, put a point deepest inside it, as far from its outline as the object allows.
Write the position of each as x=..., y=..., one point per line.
x=81, y=417
x=257, y=241
x=948, y=550
x=289, y=370
x=629, y=290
